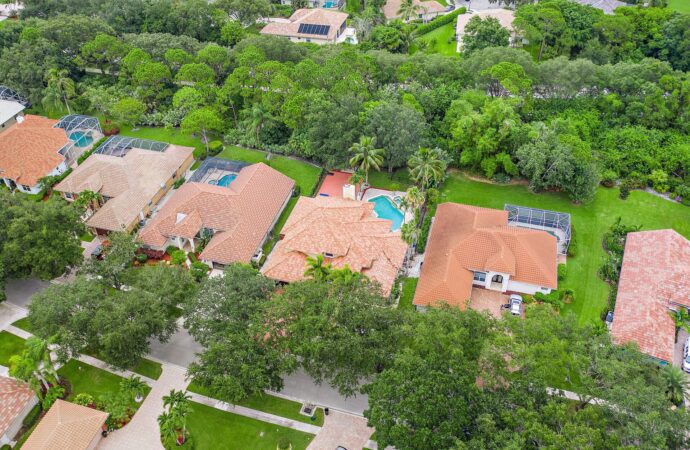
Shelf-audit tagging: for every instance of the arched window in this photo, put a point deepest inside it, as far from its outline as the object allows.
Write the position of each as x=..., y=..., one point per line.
x=497, y=279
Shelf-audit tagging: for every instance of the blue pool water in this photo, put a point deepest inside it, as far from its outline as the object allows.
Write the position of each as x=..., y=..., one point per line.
x=330, y=4
x=386, y=209
x=81, y=138
x=225, y=180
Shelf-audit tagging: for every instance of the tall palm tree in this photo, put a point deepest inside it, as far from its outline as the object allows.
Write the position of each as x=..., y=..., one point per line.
x=174, y=398
x=427, y=166
x=170, y=422
x=414, y=198
x=60, y=84
x=316, y=268
x=410, y=232
x=367, y=156
x=408, y=8
x=677, y=385
x=258, y=117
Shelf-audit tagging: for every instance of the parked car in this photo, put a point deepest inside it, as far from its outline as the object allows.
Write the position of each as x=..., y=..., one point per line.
x=515, y=304
x=686, y=355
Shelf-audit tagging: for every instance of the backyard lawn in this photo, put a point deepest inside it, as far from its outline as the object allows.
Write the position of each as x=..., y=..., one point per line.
x=397, y=181
x=267, y=403
x=408, y=288
x=213, y=428
x=441, y=39
x=305, y=175
x=91, y=380
x=680, y=5
x=589, y=221
x=9, y=345
x=23, y=324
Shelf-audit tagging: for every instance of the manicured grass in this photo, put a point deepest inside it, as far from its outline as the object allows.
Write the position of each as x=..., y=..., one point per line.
x=90, y=380
x=305, y=175
x=212, y=428
x=87, y=237
x=679, y=5
x=444, y=44
x=267, y=403
x=23, y=324
x=408, y=289
x=397, y=181
x=145, y=367
x=10, y=345
x=590, y=222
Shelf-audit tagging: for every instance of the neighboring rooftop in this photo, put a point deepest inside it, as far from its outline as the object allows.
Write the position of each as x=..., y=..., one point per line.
x=467, y=238
x=241, y=214
x=654, y=279
x=29, y=149
x=127, y=176
x=346, y=232
x=14, y=397
x=504, y=16
x=315, y=23
x=9, y=109
x=67, y=426
x=391, y=8
x=605, y=5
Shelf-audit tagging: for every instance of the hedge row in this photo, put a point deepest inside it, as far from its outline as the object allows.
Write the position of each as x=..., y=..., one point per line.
x=440, y=21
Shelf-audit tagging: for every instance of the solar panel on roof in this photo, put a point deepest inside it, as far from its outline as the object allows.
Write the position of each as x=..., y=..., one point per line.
x=319, y=30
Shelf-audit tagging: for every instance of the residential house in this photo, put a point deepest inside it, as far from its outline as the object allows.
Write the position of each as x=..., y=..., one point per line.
x=67, y=426
x=426, y=10
x=319, y=3
x=346, y=233
x=654, y=281
x=234, y=221
x=16, y=401
x=504, y=16
x=130, y=175
x=12, y=106
x=319, y=26
x=472, y=247
x=608, y=6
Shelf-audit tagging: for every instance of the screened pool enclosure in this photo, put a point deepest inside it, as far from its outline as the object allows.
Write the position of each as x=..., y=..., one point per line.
x=555, y=223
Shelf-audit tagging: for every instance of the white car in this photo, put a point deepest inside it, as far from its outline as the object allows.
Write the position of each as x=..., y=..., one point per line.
x=515, y=304
x=686, y=355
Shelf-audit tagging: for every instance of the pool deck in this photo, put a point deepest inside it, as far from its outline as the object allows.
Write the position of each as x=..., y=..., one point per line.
x=371, y=193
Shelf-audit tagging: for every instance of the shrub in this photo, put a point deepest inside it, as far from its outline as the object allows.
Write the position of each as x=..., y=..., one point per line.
x=215, y=147
x=572, y=245
x=296, y=191
x=554, y=298
x=54, y=393
x=110, y=129
x=625, y=191
x=283, y=443
x=562, y=272
x=608, y=178
x=424, y=232
x=198, y=270
x=142, y=257
x=83, y=399
x=658, y=179
x=192, y=257
x=440, y=21
x=171, y=249
x=31, y=418
x=179, y=182
x=178, y=257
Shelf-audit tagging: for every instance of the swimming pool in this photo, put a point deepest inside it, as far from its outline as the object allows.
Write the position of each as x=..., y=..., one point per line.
x=225, y=180
x=386, y=209
x=81, y=138
x=330, y=4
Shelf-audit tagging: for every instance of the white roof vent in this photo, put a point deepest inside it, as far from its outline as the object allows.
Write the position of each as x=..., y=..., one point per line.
x=180, y=217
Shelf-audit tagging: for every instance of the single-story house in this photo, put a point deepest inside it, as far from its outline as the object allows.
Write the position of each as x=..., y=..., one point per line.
x=131, y=175
x=319, y=26
x=654, y=280
x=427, y=10
x=67, y=426
x=16, y=401
x=235, y=219
x=504, y=16
x=346, y=233
x=470, y=247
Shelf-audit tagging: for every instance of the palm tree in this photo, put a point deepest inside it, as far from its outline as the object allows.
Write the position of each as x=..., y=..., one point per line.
x=316, y=268
x=134, y=387
x=175, y=398
x=258, y=116
x=410, y=232
x=88, y=199
x=367, y=156
x=170, y=422
x=34, y=365
x=427, y=166
x=169, y=425
x=414, y=198
x=345, y=275
x=677, y=385
x=408, y=8
x=60, y=85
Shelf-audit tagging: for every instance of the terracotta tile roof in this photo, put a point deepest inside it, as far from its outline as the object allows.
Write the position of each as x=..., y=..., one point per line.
x=654, y=277
x=608, y=6
x=14, y=396
x=66, y=426
x=314, y=16
x=504, y=16
x=391, y=8
x=130, y=182
x=29, y=150
x=348, y=230
x=242, y=213
x=468, y=238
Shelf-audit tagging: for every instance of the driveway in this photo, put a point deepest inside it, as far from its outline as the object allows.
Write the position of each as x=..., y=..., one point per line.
x=19, y=292
x=180, y=349
x=341, y=429
x=301, y=386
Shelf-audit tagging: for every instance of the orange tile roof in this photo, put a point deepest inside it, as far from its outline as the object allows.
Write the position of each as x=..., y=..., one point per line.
x=242, y=213
x=654, y=277
x=313, y=16
x=469, y=238
x=130, y=182
x=66, y=426
x=14, y=396
x=391, y=8
x=347, y=229
x=29, y=149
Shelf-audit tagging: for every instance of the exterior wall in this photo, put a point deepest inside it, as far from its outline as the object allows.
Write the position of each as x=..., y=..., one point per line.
x=312, y=40
x=11, y=121
x=37, y=188
x=526, y=288
x=16, y=425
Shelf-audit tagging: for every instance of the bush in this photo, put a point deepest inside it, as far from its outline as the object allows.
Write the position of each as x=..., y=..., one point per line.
x=198, y=270
x=32, y=417
x=83, y=399
x=554, y=298
x=215, y=147
x=625, y=191
x=54, y=393
x=178, y=257
x=572, y=245
x=608, y=178
x=424, y=232
x=296, y=191
x=142, y=257
x=171, y=249
x=562, y=272
x=179, y=182
x=110, y=129
x=440, y=21
x=284, y=443
x=192, y=257
x=658, y=179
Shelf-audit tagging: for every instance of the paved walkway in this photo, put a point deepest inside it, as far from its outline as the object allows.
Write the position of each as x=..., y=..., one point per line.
x=9, y=314
x=142, y=432
x=342, y=429
x=254, y=414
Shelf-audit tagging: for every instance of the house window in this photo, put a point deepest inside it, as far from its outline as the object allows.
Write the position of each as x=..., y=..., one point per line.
x=69, y=196
x=479, y=276
x=25, y=187
x=497, y=279
x=328, y=255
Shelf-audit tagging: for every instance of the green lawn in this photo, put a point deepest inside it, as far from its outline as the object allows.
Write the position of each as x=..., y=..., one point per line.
x=87, y=237
x=267, y=403
x=306, y=176
x=397, y=181
x=590, y=221
x=212, y=428
x=10, y=345
x=443, y=37
x=23, y=324
x=408, y=288
x=171, y=136
x=90, y=380
x=680, y=5
x=146, y=367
